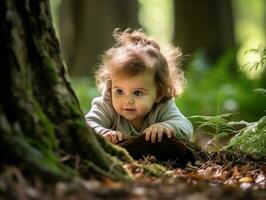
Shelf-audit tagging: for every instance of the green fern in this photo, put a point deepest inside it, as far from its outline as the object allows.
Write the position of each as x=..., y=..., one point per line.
x=218, y=126
x=260, y=91
x=261, y=52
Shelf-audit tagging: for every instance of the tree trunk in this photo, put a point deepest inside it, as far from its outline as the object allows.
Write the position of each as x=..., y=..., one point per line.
x=39, y=112
x=86, y=29
x=204, y=25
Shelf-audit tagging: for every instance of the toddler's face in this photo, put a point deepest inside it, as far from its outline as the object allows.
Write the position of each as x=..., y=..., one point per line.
x=134, y=96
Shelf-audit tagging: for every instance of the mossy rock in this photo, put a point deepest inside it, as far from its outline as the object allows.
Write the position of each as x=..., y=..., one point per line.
x=250, y=140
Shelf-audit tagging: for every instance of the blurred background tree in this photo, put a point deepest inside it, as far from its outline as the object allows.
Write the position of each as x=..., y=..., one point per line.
x=214, y=36
x=85, y=29
x=205, y=25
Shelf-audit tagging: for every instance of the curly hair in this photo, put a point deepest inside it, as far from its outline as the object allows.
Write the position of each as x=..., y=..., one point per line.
x=135, y=53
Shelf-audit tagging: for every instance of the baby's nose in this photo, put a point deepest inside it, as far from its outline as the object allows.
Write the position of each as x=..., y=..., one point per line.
x=130, y=100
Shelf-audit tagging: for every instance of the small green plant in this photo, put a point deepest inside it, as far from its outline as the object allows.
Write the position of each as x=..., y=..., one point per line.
x=260, y=64
x=217, y=126
x=260, y=51
x=260, y=91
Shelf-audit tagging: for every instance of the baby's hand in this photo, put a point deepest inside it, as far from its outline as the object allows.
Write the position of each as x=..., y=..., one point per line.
x=157, y=130
x=113, y=136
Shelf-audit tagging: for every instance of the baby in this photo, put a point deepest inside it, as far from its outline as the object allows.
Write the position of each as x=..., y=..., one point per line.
x=139, y=83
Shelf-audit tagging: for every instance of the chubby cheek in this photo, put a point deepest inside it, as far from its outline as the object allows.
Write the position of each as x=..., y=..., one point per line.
x=144, y=108
x=117, y=110
x=116, y=104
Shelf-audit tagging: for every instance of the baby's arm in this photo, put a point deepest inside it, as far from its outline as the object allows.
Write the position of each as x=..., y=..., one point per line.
x=101, y=118
x=175, y=120
x=170, y=119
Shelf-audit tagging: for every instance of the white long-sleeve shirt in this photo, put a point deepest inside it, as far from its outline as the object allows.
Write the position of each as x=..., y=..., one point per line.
x=103, y=118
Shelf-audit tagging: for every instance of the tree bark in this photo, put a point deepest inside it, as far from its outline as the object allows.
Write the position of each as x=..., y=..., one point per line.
x=39, y=112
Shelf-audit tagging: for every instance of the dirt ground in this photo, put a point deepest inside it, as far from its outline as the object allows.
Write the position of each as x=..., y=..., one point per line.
x=201, y=181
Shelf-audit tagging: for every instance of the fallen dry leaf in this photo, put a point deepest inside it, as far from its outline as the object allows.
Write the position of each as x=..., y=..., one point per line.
x=112, y=184
x=260, y=178
x=246, y=179
x=236, y=173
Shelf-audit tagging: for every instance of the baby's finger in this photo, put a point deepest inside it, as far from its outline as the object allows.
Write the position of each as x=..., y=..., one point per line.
x=147, y=133
x=168, y=132
x=114, y=138
x=153, y=135
x=160, y=134
x=119, y=136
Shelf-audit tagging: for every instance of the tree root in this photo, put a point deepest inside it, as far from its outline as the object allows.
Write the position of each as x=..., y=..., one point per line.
x=39, y=160
x=115, y=172
x=115, y=150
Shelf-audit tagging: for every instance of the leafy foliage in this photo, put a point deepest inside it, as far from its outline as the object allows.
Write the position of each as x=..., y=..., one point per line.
x=218, y=127
x=219, y=124
x=260, y=51
x=236, y=91
x=261, y=91
x=251, y=140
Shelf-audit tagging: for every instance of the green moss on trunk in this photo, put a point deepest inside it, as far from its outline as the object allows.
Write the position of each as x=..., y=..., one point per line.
x=40, y=113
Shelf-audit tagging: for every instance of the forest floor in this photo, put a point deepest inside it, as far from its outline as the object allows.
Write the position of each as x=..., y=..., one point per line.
x=244, y=180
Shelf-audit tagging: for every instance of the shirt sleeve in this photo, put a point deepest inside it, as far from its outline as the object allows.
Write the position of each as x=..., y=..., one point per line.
x=170, y=116
x=101, y=116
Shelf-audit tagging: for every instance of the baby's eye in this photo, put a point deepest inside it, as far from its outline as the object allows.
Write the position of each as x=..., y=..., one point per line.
x=138, y=93
x=119, y=92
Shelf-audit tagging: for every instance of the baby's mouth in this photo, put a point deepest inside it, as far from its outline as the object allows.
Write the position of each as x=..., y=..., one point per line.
x=129, y=109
